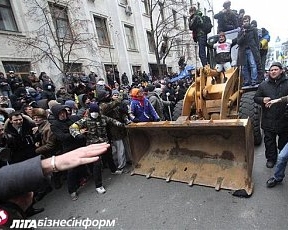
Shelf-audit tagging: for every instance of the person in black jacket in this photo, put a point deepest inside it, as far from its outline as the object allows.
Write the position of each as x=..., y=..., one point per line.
x=249, y=53
x=274, y=118
x=20, y=136
x=60, y=128
x=17, y=180
x=227, y=18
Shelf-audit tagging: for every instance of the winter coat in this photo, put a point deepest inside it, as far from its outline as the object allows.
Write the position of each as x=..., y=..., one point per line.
x=195, y=25
x=226, y=21
x=20, y=179
x=157, y=102
x=114, y=110
x=61, y=130
x=143, y=113
x=248, y=39
x=48, y=142
x=22, y=144
x=4, y=84
x=274, y=118
x=83, y=107
x=96, y=129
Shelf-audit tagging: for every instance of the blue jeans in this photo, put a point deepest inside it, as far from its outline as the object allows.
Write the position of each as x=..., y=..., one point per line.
x=202, y=43
x=250, y=68
x=279, y=173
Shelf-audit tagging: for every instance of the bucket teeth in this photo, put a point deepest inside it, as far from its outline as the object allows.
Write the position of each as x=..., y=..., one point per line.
x=193, y=177
x=218, y=183
x=150, y=171
x=170, y=174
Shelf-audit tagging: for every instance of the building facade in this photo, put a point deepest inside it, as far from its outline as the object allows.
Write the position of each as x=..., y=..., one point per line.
x=62, y=36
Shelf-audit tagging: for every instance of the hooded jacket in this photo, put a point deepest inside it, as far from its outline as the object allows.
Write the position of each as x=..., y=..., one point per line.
x=83, y=107
x=60, y=129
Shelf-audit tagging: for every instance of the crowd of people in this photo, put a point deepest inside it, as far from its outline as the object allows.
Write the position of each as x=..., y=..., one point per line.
x=37, y=120
x=252, y=42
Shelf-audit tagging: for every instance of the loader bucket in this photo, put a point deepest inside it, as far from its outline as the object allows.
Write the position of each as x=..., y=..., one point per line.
x=216, y=153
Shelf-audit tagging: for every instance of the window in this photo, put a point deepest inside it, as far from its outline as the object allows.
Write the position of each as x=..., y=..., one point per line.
x=123, y=2
x=146, y=6
x=151, y=44
x=21, y=68
x=136, y=69
x=178, y=49
x=188, y=48
x=7, y=20
x=73, y=67
x=61, y=21
x=129, y=31
x=185, y=22
x=174, y=13
x=102, y=32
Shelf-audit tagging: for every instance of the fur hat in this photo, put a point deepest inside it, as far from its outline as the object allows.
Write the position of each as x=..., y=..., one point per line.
x=276, y=63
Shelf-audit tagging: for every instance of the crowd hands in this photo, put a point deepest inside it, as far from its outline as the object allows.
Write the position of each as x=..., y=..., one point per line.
x=44, y=131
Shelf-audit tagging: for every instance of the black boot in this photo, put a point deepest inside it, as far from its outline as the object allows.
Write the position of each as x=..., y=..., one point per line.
x=31, y=211
x=39, y=195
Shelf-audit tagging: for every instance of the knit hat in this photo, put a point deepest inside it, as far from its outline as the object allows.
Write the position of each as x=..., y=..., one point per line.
x=150, y=87
x=51, y=103
x=276, y=63
x=93, y=107
x=71, y=104
x=115, y=91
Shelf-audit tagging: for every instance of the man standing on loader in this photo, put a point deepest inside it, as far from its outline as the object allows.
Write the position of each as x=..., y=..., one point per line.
x=275, y=118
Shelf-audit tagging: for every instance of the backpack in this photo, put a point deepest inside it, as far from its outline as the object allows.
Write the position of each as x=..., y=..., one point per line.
x=206, y=25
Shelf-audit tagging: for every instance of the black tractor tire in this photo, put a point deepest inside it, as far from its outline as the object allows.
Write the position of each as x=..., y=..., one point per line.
x=177, y=112
x=248, y=108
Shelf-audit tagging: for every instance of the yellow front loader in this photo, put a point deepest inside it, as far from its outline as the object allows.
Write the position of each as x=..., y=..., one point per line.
x=212, y=141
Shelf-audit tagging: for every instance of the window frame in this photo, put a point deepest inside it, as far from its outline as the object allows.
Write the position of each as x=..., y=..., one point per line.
x=151, y=44
x=102, y=31
x=61, y=23
x=12, y=21
x=130, y=38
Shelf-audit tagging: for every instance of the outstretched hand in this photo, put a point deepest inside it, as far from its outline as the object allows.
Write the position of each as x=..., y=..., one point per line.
x=74, y=158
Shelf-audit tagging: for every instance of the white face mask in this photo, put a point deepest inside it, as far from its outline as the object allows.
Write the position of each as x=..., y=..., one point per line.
x=94, y=115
